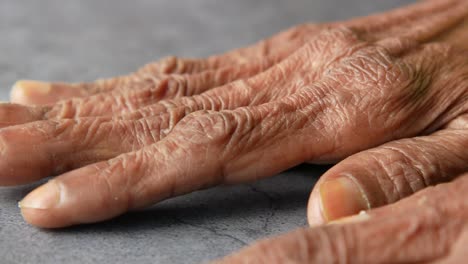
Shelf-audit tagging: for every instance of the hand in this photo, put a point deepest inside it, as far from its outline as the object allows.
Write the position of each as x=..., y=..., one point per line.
x=392, y=87
x=428, y=227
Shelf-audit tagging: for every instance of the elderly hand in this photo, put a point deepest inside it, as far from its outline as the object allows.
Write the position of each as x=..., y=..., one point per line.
x=385, y=95
x=428, y=227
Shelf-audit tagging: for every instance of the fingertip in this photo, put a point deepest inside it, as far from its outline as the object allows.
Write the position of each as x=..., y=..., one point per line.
x=44, y=218
x=30, y=92
x=42, y=93
x=314, y=210
x=335, y=197
x=42, y=206
x=76, y=197
x=342, y=196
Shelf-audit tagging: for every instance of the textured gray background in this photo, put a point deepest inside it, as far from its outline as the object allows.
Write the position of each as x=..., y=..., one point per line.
x=78, y=40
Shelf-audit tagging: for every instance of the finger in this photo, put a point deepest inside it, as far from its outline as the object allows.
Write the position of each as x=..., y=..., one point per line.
x=135, y=95
x=407, y=17
x=401, y=233
x=44, y=148
x=273, y=49
x=280, y=45
x=388, y=173
x=44, y=93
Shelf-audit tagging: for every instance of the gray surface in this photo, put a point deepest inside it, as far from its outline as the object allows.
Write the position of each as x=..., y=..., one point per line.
x=78, y=40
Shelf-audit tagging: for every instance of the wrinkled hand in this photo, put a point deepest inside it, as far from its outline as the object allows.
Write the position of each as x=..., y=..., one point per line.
x=385, y=95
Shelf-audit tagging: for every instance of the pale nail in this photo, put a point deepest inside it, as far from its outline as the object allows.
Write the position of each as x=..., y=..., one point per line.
x=45, y=197
x=23, y=89
x=341, y=197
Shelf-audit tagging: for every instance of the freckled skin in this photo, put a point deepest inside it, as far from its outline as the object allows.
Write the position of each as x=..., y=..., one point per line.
x=385, y=96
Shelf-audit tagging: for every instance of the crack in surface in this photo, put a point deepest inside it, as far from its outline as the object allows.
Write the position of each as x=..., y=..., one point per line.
x=271, y=203
x=213, y=231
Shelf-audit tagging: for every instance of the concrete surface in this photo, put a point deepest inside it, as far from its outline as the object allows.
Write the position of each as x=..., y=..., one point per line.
x=84, y=40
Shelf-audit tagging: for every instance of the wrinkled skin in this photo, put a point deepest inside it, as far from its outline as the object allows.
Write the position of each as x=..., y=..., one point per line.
x=385, y=97
x=427, y=227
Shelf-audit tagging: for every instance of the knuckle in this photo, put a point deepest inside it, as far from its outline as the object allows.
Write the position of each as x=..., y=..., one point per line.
x=397, y=45
x=115, y=103
x=338, y=37
x=332, y=44
x=95, y=105
x=62, y=110
x=166, y=65
x=410, y=165
x=372, y=67
x=111, y=187
x=171, y=65
x=178, y=85
x=384, y=84
x=137, y=134
x=232, y=95
x=171, y=86
x=227, y=130
x=169, y=120
x=400, y=174
x=205, y=102
x=84, y=132
x=159, y=108
x=150, y=130
x=124, y=175
x=205, y=126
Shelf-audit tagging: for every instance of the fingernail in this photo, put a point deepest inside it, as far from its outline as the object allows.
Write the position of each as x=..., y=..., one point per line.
x=361, y=217
x=341, y=197
x=45, y=197
x=25, y=88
